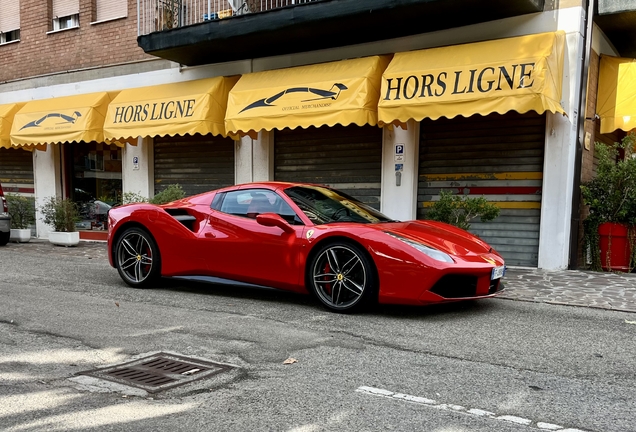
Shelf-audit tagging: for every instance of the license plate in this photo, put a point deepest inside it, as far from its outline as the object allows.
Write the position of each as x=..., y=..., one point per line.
x=498, y=272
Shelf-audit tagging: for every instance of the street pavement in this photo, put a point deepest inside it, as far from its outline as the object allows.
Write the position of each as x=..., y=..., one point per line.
x=611, y=291
x=500, y=365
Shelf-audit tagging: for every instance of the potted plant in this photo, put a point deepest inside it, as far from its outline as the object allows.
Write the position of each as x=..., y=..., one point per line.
x=22, y=211
x=610, y=228
x=61, y=214
x=459, y=210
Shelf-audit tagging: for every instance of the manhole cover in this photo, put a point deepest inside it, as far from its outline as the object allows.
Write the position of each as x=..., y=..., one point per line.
x=158, y=372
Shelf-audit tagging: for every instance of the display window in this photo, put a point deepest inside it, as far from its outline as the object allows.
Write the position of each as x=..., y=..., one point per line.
x=94, y=170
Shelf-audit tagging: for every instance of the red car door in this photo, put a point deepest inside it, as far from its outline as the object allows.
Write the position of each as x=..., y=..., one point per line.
x=238, y=247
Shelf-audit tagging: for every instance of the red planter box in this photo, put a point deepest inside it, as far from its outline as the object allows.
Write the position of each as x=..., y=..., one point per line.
x=615, y=247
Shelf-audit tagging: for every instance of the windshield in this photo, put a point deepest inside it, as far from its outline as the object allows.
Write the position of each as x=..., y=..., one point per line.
x=323, y=205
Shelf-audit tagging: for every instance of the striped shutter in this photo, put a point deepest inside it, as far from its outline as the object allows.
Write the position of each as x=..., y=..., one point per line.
x=16, y=171
x=499, y=157
x=348, y=158
x=9, y=15
x=110, y=9
x=199, y=164
x=62, y=8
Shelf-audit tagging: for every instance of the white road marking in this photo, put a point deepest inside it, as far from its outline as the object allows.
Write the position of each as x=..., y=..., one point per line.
x=515, y=419
x=468, y=411
x=548, y=426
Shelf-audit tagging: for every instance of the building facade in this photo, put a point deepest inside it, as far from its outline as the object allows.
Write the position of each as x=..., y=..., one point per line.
x=391, y=106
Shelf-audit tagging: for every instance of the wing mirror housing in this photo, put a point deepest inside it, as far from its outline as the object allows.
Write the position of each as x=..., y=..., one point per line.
x=274, y=220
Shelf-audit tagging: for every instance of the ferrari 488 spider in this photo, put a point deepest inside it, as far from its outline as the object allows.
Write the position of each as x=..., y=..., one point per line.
x=303, y=238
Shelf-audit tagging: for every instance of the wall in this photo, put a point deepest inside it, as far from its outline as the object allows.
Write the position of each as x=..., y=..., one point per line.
x=41, y=52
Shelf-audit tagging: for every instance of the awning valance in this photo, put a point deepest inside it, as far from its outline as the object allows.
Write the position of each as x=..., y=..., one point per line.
x=182, y=108
x=342, y=92
x=616, y=100
x=59, y=120
x=7, y=112
x=515, y=74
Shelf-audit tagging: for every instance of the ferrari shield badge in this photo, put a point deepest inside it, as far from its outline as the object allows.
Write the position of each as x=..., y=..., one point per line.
x=309, y=234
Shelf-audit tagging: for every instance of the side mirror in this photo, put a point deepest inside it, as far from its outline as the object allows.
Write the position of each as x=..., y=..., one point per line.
x=274, y=220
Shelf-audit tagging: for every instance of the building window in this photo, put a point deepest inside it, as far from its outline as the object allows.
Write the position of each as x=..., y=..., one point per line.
x=9, y=21
x=64, y=14
x=66, y=22
x=10, y=36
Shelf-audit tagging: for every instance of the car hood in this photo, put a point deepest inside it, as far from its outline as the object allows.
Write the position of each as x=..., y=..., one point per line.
x=440, y=236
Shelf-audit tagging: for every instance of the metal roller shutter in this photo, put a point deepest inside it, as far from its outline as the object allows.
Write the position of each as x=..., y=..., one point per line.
x=16, y=171
x=110, y=9
x=498, y=156
x=62, y=8
x=348, y=158
x=10, y=15
x=199, y=164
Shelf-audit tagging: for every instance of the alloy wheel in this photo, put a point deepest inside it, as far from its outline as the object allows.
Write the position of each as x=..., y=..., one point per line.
x=339, y=277
x=135, y=257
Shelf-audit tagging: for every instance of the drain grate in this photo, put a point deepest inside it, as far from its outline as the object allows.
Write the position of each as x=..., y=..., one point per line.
x=158, y=372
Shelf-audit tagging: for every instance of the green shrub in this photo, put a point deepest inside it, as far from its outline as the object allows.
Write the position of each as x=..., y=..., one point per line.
x=611, y=195
x=133, y=197
x=171, y=193
x=61, y=214
x=459, y=210
x=22, y=211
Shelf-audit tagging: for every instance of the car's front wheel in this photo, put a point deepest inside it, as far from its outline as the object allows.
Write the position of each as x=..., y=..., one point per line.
x=342, y=277
x=137, y=258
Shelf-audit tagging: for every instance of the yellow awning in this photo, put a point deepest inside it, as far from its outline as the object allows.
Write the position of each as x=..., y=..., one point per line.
x=7, y=112
x=59, y=120
x=341, y=92
x=616, y=100
x=515, y=74
x=170, y=109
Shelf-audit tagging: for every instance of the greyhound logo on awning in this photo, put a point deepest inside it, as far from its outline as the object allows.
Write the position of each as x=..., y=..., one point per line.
x=67, y=119
x=331, y=94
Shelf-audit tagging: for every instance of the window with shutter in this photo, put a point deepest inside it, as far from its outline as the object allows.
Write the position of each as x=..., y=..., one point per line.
x=9, y=16
x=110, y=9
x=65, y=14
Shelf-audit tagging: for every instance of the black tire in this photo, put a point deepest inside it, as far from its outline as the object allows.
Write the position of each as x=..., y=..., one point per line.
x=137, y=258
x=4, y=238
x=342, y=277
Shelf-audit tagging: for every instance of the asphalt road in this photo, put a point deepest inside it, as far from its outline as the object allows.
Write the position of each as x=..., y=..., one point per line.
x=490, y=365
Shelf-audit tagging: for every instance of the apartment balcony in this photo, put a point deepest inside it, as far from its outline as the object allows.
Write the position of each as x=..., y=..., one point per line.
x=195, y=32
x=617, y=19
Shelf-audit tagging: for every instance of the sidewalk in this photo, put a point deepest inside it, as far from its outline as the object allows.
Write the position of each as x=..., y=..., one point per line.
x=613, y=291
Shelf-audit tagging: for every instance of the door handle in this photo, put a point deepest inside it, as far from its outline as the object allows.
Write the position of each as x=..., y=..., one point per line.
x=209, y=235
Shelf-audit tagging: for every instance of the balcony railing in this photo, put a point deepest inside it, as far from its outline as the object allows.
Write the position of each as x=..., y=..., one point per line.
x=159, y=15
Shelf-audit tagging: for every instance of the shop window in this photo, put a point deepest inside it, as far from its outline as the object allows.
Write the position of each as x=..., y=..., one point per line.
x=96, y=182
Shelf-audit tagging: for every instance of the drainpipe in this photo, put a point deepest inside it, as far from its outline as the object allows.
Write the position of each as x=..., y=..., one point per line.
x=580, y=138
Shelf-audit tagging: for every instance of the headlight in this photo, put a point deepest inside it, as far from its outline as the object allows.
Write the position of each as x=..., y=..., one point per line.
x=427, y=250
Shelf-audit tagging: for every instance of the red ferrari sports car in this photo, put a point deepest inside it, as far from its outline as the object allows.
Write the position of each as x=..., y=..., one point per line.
x=303, y=238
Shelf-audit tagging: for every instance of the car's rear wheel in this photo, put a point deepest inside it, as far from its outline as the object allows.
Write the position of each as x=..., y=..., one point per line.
x=4, y=238
x=137, y=258
x=342, y=277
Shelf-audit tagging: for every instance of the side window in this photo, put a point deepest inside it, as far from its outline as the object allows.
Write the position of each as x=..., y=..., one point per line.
x=252, y=202
x=216, y=202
